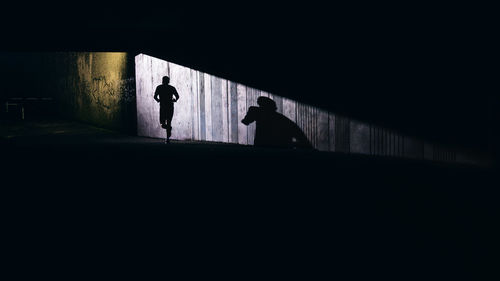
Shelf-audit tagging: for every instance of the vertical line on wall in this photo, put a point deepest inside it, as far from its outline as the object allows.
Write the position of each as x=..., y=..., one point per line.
x=398, y=146
x=344, y=137
x=199, y=102
x=386, y=142
x=246, y=109
x=313, y=125
x=391, y=143
x=308, y=123
x=388, y=145
x=308, y=120
x=203, y=110
x=228, y=94
x=151, y=67
x=197, y=105
x=394, y=143
x=401, y=152
x=194, y=112
x=338, y=133
x=403, y=146
x=370, y=139
x=348, y=134
x=313, y=137
x=342, y=122
x=214, y=138
x=334, y=125
x=380, y=141
x=316, y=127
x=299, y=117
x=296, y=113
x=303, y=120
x=397, y=140
x=328, y=133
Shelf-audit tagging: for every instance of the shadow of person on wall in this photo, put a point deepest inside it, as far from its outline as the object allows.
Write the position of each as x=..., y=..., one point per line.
x=274, y=129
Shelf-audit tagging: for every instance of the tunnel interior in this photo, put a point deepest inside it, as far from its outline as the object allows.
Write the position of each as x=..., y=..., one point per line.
x=114, y=90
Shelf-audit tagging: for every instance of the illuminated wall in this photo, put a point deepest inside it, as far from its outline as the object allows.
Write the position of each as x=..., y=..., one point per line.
x=211, y=109
x=95, y=87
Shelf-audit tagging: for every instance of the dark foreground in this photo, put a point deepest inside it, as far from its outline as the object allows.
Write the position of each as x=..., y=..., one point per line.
x=78, y=200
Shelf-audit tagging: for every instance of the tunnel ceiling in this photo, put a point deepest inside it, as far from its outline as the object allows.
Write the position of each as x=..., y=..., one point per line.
x=424, y=70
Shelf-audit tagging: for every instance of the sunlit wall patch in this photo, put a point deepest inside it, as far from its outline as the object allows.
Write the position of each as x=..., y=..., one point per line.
x=211, y=108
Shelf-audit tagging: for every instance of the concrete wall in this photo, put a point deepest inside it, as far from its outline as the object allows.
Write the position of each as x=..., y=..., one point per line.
x=211, y=109
x=101, y=88
x=96, y=87
x=93, y=87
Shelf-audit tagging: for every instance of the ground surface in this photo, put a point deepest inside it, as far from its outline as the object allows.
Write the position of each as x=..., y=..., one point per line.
x=76, y=196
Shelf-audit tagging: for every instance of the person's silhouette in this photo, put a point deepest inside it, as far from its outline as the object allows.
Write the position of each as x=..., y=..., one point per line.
x=273, y=128
x=166, y=95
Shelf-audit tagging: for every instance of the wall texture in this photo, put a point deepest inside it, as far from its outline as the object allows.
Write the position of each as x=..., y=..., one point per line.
x=95, y=87
x=211, y=109
x=115, y=90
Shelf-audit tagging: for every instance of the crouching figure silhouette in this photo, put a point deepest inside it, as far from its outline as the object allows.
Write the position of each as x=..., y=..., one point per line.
x=274, y=129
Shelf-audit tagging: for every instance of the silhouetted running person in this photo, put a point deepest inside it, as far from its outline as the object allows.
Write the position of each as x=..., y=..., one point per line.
x=166, y=95
x=273, y=128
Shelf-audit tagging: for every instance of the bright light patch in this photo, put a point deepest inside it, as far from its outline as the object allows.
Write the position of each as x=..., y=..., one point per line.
x=211, y=109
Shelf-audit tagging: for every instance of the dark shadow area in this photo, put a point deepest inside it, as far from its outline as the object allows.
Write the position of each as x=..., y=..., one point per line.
x=97, y=196
x=28, y=108
x=81, y=201
x=382, y=64
x=274, y=129
x=59, y=85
